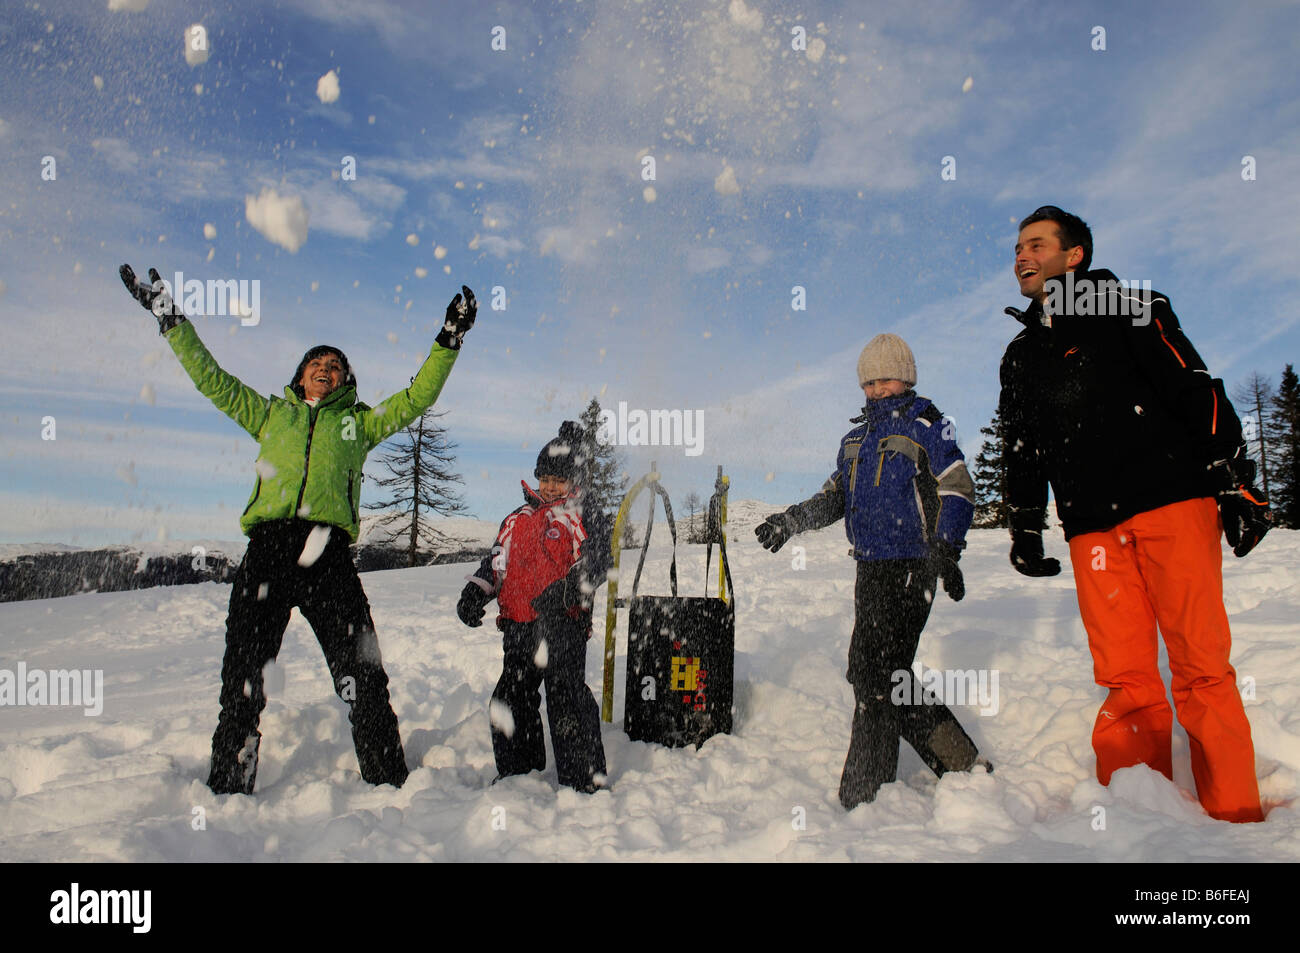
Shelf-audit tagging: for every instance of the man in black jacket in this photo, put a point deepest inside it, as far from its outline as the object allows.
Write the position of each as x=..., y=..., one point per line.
x=1104, y=398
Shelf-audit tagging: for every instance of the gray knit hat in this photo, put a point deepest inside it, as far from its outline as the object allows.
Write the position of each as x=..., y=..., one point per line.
x=886, y=357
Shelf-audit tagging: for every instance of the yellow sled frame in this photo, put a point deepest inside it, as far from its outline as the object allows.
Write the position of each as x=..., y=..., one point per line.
x=651, y=479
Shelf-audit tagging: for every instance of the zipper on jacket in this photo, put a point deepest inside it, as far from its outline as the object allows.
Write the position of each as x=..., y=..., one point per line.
x=351, y=506
x=306, y=460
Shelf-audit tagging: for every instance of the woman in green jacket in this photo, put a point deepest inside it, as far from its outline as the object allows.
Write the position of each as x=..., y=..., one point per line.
x=300, y=520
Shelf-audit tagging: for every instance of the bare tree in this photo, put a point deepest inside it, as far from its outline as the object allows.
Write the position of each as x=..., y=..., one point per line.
x=419, y=467
x=693, y=505
x=1255, y=392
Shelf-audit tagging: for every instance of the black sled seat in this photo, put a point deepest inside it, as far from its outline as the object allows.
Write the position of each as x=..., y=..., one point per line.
x=681, y=649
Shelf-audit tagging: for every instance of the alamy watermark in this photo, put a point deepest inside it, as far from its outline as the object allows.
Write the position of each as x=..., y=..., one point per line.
x=78, y=688
x=241, y=298
x=78, y=906
x=933, y=686
x=652, y=428
x=1107, y=297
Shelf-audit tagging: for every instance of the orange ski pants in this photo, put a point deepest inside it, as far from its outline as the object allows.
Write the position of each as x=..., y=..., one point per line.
x=1165, y=567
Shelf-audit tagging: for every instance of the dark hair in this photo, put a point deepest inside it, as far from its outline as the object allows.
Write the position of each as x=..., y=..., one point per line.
x=1070, y=229
x=349, y=378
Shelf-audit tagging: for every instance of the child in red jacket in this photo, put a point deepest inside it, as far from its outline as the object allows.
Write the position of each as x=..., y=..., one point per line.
x=550, y=555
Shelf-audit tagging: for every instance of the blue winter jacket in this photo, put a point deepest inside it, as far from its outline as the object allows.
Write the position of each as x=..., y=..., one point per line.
x=900, y=482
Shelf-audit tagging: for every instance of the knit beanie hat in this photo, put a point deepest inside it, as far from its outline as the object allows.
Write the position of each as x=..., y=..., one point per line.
x=562, y=457
x=349, y=379
x=886, y=357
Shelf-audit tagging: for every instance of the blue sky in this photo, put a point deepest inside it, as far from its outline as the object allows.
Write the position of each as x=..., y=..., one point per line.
x=522, y=168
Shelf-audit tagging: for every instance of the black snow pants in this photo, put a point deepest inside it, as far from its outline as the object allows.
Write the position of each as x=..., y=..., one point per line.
x=892, y=602
x=269, y=582
x=550, y=650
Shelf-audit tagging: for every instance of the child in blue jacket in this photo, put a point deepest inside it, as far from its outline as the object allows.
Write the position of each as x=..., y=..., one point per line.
x=901, y=486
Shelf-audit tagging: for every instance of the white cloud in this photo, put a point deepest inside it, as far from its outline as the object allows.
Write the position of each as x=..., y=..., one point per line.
x=117, y=153
x=744, y=17
x=569, y=244
x=496, y=245
x=327, y=87
x=700, y=260
x=281, y=221
x=363, y=210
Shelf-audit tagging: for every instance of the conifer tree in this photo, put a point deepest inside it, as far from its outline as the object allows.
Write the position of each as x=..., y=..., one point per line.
x=1285, y=425
x=420, y=475
x=989, y=477
x=603, y=475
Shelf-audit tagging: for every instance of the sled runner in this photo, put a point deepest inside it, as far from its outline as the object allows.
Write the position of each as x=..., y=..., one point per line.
x=681, y=649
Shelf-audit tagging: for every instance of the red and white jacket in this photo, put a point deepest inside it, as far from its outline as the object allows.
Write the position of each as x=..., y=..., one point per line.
x=537, y=545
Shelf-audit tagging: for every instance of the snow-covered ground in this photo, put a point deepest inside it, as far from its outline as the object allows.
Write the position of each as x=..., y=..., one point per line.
x=127, y=784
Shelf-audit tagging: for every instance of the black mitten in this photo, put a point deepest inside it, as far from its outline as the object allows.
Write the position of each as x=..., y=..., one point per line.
x=153, y=296
x=472, y=605
x=460, y=318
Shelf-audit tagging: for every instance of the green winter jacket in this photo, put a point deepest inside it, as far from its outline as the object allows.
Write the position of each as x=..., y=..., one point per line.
x=311, y=457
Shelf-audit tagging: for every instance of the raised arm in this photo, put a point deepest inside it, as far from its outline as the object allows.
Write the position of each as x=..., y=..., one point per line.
x=397, y=411
x=231, y=396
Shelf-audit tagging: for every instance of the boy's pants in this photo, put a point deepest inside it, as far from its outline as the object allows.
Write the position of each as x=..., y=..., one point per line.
x=892, y=602
x=1165, y=567
x=571, y=710
x=268, y=583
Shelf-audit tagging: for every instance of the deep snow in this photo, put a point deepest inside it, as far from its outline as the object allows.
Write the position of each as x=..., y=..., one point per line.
x=128, y=785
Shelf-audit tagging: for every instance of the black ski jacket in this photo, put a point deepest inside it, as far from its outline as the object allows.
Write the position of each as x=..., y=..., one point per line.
x=1112, y=405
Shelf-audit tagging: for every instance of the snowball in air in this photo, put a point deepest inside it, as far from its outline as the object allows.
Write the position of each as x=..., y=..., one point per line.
x=281, y=220
x=725, y=183
x=327, y=87
x=501, y=718
x=317, y=540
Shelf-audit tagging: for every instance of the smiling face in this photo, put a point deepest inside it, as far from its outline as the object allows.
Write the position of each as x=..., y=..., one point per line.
x=877, y=390
x=1039, y=256
x=322, y=376
x=550, y=487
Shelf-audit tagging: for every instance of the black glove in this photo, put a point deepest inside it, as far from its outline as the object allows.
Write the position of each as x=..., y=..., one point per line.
x=154, y=297
x=472, y=605
x=944, y=556
x=563, y=597
x=460, y=318
x=1027, y=554
x=1245, y=511
x=776, y=529
x=1027, y=543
